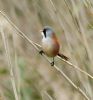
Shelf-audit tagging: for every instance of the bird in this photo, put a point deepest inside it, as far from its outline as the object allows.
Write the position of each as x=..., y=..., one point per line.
x=50, y=45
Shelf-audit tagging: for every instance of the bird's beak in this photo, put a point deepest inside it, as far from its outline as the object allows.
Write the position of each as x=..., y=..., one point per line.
x=41, y=31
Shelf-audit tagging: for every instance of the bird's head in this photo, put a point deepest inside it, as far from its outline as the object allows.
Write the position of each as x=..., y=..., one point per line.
x=47, y=32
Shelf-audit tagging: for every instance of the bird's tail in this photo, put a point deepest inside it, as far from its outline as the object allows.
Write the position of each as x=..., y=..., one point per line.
x=63, y=57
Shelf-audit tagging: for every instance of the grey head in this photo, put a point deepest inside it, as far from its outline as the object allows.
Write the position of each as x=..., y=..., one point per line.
x=48, y=31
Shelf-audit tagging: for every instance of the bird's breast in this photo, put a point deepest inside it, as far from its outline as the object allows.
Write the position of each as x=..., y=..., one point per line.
x=50, y=47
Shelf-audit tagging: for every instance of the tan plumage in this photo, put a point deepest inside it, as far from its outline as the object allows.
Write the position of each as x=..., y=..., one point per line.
x=50, y=44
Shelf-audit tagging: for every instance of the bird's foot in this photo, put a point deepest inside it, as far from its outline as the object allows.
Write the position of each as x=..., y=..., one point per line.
x=52, y=63
x=41, y=52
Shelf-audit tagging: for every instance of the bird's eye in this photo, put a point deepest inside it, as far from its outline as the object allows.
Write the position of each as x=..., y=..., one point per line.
x=44, y=31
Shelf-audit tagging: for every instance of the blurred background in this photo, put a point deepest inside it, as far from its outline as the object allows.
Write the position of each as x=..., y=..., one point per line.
x=35, y=79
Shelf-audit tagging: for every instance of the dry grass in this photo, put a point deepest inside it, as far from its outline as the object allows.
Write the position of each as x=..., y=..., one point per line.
x=29, y=73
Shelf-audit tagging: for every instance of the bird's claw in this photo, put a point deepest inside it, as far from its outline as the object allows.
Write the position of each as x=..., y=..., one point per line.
x=41, y=52
x=52, y=63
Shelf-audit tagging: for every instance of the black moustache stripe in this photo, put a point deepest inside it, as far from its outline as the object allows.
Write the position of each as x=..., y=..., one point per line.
x=44, y=31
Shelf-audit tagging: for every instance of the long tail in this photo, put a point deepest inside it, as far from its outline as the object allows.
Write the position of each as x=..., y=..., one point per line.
x=63, y=57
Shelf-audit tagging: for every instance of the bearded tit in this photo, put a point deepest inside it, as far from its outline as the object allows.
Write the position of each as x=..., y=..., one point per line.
x=50, y=44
